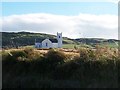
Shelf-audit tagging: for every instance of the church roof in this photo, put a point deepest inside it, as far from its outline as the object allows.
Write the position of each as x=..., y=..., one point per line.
x=52, y=40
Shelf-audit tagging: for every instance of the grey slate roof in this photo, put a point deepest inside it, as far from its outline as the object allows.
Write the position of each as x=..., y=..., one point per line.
x=52, y=40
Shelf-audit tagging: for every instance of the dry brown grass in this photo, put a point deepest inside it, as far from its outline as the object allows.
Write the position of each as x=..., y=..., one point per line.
x=70, y=53
x=98, y=53
x=91, y=67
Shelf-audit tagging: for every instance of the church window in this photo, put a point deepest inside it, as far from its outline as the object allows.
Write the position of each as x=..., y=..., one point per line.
x=46, y=44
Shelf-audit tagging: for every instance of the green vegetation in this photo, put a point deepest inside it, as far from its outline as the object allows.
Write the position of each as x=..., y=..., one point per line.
x=112, y=45
x=20, y=39
x=72, y=46
x=29, y=68
x=10, y=39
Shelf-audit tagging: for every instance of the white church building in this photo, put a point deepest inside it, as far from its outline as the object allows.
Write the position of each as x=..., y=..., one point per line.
x=50, y=43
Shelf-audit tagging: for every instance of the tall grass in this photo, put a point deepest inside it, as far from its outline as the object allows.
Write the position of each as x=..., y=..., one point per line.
x=94, y=68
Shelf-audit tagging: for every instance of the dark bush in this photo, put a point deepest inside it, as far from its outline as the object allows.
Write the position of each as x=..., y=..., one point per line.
x=18, y=54
x=85, y=69
x=55, y=57
x=12, y=57
x=65, y=71
x=28, y=50
x=84, y=54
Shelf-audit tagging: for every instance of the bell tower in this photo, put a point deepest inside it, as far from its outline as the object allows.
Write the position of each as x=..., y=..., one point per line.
x=59, y=38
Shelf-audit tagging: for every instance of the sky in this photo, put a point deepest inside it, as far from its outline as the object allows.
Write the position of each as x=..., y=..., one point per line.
x=62, y=8
x=73, y=19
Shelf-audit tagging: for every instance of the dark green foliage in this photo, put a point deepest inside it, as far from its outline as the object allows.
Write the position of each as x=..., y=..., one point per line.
x=16, y=54
x=12, y=57
x=65, y=71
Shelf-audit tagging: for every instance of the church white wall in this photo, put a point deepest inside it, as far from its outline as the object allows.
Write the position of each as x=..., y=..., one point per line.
x=55, y=45
x=46, y=43
x=59, y=38
x=37, y=45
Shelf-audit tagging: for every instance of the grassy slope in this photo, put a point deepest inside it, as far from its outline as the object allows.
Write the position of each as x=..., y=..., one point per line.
x=26, y=38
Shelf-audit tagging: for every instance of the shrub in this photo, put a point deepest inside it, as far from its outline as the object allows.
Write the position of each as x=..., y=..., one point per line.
x=11, y=63
x=92, y=55
x=65, y=71
x=13, y=56
x=28, y=50
x=84, y=54
x=18, y=54
x=55, y=57
x=93, y=68
x=31, y=53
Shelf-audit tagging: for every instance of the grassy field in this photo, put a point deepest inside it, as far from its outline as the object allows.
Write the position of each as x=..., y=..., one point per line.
x=61, y=68
x=73, y=46
x=111, y=45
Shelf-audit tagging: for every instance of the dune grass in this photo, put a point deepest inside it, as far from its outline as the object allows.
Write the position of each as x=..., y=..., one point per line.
x=91, y=69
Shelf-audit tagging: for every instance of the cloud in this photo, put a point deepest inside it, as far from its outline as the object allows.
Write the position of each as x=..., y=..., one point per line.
x=113, y=1
x=82, y=25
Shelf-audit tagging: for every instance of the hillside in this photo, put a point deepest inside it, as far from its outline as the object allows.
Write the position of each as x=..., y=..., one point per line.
x=12, y=39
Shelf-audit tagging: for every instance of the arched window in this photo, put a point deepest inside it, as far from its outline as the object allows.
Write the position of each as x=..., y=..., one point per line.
x=59, y=36
x=46, y=44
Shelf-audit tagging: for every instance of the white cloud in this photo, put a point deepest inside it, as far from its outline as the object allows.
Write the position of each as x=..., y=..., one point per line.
x=113, y=1
x=103, y=26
